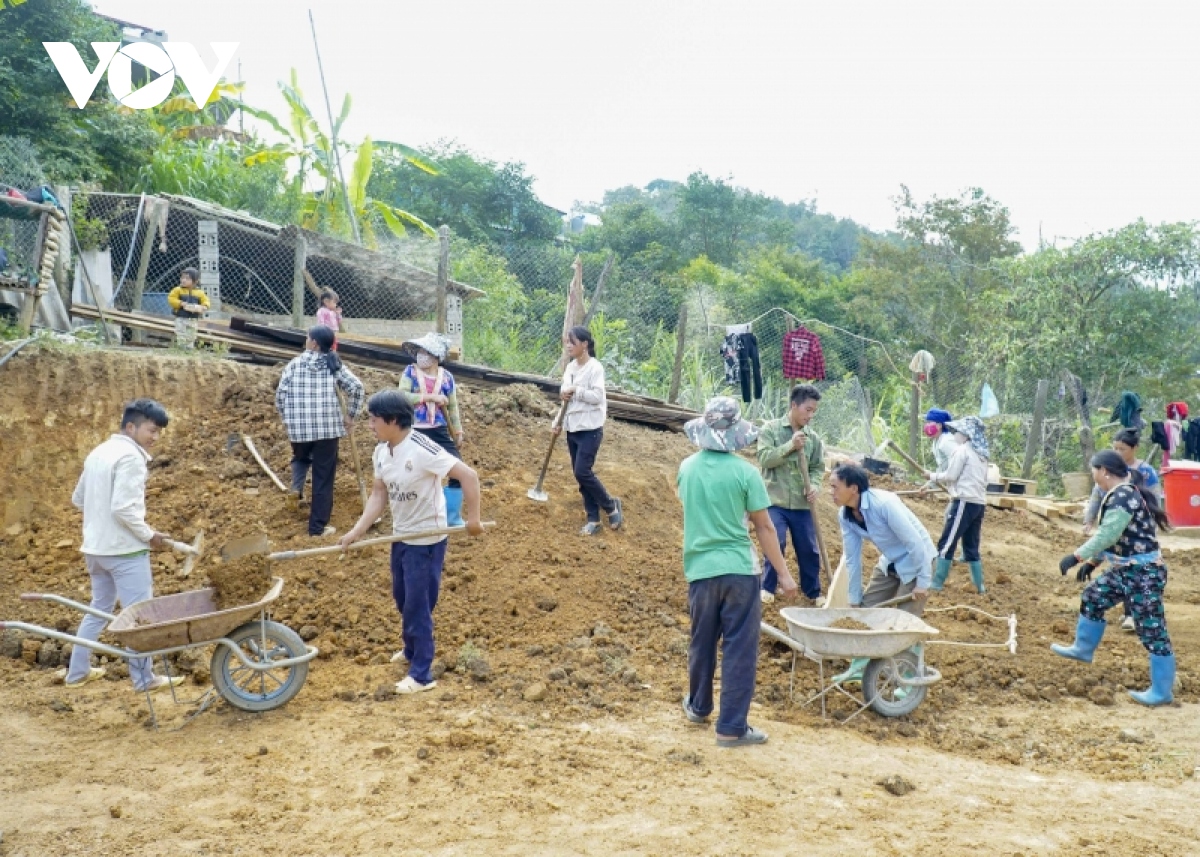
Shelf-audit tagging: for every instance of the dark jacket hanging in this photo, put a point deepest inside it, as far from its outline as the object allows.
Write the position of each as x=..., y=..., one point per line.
x=748, y=363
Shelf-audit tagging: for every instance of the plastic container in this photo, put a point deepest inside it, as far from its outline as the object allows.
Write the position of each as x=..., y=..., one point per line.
x=1181, y=491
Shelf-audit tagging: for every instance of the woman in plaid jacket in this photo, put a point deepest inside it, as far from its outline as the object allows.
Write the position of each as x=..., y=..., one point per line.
x=307, y=400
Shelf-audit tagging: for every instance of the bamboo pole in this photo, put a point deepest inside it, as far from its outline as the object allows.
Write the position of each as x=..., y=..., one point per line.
x=680, y=343
x=443, y=275
x=1035, y=430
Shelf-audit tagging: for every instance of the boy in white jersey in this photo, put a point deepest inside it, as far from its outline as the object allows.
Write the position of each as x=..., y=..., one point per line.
x=408, y=474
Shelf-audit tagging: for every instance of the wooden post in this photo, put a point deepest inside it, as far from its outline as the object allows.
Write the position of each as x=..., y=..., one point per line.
x=1087, y=443
x=1035, y=430
x=29, y=305
x=680, y=342
x=868, y=415
x=299, y=260
x=599, y=291
x=914, y=417
x=62, y=265
x=443, y=275
x=139, y=283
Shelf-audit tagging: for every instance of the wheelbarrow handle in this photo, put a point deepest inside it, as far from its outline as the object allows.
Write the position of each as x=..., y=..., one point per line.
x=382, y=540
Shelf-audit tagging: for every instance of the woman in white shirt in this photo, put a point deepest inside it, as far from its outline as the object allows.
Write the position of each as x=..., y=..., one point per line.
x=965, y=477
x=583, y=419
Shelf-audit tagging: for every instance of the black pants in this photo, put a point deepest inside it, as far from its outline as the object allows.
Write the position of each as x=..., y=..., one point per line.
x=442, y=437
x=321, y=456
x=583, y=446
x=963, y=520
x=749, y=367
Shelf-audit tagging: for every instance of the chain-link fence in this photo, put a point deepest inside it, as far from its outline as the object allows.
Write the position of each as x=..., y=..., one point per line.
x=657, y=334
x=19, y=257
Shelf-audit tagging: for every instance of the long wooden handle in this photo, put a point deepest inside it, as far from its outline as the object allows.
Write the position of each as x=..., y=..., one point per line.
x=254, y=451
x=362, y=486
x=382, y=540
x=550, y=449
x=912, y=462
x=817, y=529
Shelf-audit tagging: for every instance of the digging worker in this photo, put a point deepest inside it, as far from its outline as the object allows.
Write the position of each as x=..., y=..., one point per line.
x=307, y=400
x=718, y=491
x=1125, y=444
x=906, y=551
x=1128, y=538
x=788, y=452
x=116, y=538
x=409, y=468
x=965, y=479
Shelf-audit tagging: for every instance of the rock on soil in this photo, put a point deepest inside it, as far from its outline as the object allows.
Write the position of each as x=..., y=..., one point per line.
x=896, y=785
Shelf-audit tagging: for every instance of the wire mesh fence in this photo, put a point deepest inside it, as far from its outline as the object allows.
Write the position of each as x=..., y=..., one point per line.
x=657, y=334
x=19, y=257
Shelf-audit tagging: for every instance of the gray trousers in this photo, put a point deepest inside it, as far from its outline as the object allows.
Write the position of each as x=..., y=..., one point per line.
x=125, y=579
x=885, y=584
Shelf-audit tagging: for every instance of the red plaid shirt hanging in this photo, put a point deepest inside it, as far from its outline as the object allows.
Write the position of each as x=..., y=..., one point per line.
x=802, y=356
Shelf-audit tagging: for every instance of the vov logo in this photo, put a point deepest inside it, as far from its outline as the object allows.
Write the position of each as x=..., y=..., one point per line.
x=167, y=60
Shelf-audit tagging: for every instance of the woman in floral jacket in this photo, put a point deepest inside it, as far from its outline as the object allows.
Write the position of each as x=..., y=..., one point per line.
x=1127, y=537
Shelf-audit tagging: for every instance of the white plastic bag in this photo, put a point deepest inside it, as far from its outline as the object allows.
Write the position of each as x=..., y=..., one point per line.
x=988, y=406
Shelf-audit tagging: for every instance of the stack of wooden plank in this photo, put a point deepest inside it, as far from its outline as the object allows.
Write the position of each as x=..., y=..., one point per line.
x=1045, y=507
x=280, y=343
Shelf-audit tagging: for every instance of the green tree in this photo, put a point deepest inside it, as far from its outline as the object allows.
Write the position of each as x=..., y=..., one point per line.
x=477, y=198
x=101, y=143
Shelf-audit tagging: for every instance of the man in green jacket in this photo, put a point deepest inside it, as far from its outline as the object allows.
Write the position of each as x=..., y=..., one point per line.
x=787, y=449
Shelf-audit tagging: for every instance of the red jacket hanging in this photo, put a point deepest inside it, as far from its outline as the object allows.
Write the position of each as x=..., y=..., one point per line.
x=802, y=356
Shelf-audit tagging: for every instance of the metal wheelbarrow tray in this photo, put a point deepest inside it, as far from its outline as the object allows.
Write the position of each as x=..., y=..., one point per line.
x=896, y=677
x=183, y=619
x=257, y=664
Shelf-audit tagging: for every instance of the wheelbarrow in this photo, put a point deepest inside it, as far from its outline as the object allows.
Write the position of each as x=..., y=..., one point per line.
x=258, y=664
x=896, y=678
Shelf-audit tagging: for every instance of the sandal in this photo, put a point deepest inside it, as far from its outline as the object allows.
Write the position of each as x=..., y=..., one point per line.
x=410, y=685
x=590, y=528
x=752, y=736
x=691, y=713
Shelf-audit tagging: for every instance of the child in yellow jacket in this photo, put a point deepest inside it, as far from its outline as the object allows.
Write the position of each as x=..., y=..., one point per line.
x=189, y=303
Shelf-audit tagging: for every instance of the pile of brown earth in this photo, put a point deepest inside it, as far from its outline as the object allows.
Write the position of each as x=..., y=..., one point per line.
x=532, y=616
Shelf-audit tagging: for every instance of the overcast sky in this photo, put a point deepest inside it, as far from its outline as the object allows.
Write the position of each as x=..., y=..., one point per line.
x=1079, y=116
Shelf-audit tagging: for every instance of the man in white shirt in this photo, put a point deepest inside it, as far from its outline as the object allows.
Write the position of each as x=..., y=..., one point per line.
x=409, y=468
x=116, y=538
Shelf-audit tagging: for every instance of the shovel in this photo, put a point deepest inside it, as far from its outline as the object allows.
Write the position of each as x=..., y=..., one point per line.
x=259, y=545
x=193, y=552
x=536, y=492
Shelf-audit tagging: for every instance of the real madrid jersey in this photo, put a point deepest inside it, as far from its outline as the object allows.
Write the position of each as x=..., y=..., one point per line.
x=412, y=471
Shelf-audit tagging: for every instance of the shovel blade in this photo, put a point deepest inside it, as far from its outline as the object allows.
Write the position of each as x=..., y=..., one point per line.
x=535, y=494
x=245, y=547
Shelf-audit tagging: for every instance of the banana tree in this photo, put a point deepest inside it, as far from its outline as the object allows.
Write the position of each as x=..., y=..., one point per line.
x=312, y=150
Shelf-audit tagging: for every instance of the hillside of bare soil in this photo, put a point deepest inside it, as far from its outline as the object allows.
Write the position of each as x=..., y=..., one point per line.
x=562, y=658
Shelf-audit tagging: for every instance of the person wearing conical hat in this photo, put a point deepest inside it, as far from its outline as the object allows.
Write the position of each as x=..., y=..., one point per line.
x=965, y=478
x=431, y=390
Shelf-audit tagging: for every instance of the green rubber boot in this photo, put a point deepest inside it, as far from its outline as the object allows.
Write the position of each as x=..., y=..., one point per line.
x=977, y=576
x=855, y=673
x=941, y=570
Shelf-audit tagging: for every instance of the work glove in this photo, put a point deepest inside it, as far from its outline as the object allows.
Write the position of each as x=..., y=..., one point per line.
x=1067, y=563
x=1085, y=571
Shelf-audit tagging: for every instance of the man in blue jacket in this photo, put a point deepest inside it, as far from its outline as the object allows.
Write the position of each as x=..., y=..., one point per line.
x=906, y=552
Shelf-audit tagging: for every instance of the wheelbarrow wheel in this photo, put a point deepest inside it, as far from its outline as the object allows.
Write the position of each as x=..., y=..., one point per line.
x=883, y=691
x=259, y=690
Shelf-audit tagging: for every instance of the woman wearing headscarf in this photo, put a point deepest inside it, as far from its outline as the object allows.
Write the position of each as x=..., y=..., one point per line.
x=937, y=429
x=307, y=400
x=1128, y=539
x=965, y=479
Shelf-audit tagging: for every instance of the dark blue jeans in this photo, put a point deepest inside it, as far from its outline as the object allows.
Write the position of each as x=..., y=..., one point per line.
x=583, y=446
x=416, y=580
x=798, y=522
x=725, y=608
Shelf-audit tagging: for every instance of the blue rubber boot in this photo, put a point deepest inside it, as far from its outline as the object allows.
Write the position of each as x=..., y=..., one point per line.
x=1162, y=681
x=941, y=570
x=977, y=575
x=855, y=673
x=454, y=501
x=1087, y=637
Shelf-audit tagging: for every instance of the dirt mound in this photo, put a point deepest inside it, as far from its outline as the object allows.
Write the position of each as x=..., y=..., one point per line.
x=533, y=616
